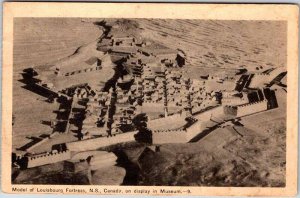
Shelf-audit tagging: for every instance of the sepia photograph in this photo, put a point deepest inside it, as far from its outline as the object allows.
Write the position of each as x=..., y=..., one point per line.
x=141, y=101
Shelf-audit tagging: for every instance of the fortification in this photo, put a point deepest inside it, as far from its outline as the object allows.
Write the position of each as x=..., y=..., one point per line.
x=259, y=80
x=188, y=131
x=88, y=69
x=276, y=72
x=172, y=122
x=195, y=129
x=169, y=136
x=251, y=108
x=179, y=135
x=47, y=158
x=96, y=143
x=246, y=109
x=42, y=141
x=227, y=101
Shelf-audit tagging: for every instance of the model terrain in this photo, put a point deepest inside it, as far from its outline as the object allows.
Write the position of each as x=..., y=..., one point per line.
x=149, y=102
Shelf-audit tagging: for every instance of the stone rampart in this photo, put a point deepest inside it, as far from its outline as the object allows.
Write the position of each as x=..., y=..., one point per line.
x=233, y=101
x=251, y=108
x=277, y=71
x=48, y=158
x=95, y=143
x=194, y=130
x=88, y=69
x=169, y=136
x=259, y=80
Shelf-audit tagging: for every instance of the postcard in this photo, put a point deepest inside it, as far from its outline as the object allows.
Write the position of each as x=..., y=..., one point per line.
x=150, y=99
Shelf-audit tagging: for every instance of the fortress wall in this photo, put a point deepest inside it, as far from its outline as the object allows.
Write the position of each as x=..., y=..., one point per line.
x=259, y=80
x=172, y=122
x=206, y=115
x=194, y=130
x=37, y=144
x=164, y=137
x=252, y=108
x=233, y=101
x=276, y=72
x=170, y=118
x=48, y=158
x=95, y=143
x=39, y=87
x=86, y=69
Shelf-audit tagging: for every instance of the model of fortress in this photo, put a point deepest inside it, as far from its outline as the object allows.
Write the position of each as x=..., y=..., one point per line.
x=157, y=88
x=246, y=109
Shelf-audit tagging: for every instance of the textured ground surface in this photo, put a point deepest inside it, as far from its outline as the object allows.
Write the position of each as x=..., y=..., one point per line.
x=222, y=44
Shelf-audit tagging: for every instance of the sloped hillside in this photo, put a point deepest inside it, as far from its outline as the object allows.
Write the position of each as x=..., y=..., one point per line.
x=222, y=44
